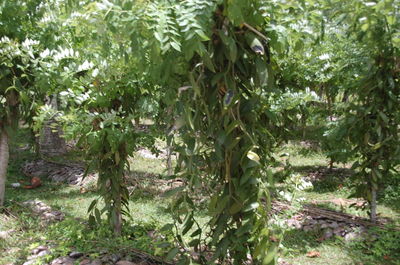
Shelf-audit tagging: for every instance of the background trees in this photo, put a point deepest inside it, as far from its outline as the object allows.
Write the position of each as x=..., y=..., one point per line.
x=372, y=116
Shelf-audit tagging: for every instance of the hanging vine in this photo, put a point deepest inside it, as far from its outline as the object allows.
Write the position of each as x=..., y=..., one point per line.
x=225, y=144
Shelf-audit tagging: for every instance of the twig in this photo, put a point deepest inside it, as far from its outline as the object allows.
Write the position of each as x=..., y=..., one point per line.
x=8, y=213
x=256, y=31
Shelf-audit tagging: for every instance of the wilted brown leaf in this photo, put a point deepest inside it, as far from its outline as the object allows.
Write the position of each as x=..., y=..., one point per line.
x=313, y=254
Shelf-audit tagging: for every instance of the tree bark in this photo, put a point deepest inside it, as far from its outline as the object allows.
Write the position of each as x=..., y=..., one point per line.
x=51, y=142
x=4, y=157
x=169, y=161
x=118, y=216
x=373, y=205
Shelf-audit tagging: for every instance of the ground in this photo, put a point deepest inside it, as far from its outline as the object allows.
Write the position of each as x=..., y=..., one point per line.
x=22, y=232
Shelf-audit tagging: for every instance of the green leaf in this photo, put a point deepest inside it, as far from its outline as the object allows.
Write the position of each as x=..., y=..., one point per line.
x=173, y=191
x=176, y=46
x=255, y=44
x=235, y=208
x=253, y=156
x=262, y=71
x=172, y=253
x=377, y=146
x=251, y=207
x=187, y=225
x=196, y=233
x=384, y=117
x=98, y=215
x=271, y=254
x=92, y=220
x=167, y=227
x=92, y=205
x=202, y=35
x=365, y=27
x=208, y=62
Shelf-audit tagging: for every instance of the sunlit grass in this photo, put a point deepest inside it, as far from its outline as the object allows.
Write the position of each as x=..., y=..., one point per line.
x=148, y=181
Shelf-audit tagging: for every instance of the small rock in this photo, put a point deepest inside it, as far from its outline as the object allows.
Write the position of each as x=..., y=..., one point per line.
x=294, y=223
x=328, y=233
x=39, y=249
x=75, y=254
x=324, y=225
x=44, y=253
x=85, y=262
x=337, y=231
x=63, y=261
x=103, y=251
x=334, y=225
x=48, y=215
x=57, y=213
x=125, y=262
x=32, y=257
x=311, y=222
x=350, y=236
x=307, y=228
x=96, y=262
x=44, y=208
x=115, y=257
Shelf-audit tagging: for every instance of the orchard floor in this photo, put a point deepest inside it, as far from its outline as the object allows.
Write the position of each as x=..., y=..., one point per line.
x=21, y=231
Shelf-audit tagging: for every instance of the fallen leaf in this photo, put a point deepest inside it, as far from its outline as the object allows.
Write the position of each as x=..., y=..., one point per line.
x=313, y=254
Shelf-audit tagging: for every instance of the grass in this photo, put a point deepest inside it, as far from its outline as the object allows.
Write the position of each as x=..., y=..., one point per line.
x=298, y=243
x=336, y=185
x=149, y=209
x=148, y=212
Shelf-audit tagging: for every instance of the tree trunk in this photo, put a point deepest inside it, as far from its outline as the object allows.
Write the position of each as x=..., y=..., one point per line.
x=331, y=164
x=169, y=160
x=170, y=170
x=137, y=121
x=118, y=216
x=51, y=142
x=373, y=205
x=4, y=157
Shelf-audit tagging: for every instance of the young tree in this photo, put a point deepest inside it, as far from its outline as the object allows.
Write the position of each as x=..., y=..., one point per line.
x=372, y=119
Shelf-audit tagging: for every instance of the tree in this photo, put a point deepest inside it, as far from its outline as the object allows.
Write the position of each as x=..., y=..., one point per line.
x=18, y=56
x=15, y=89
x=373, y=116
x=223, y=58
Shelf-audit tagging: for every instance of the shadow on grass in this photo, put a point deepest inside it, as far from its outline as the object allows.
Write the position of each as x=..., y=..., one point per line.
x=393, y=204
x=378, y=246
x=298, y=242
x=72, y=234
x=325, y=179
